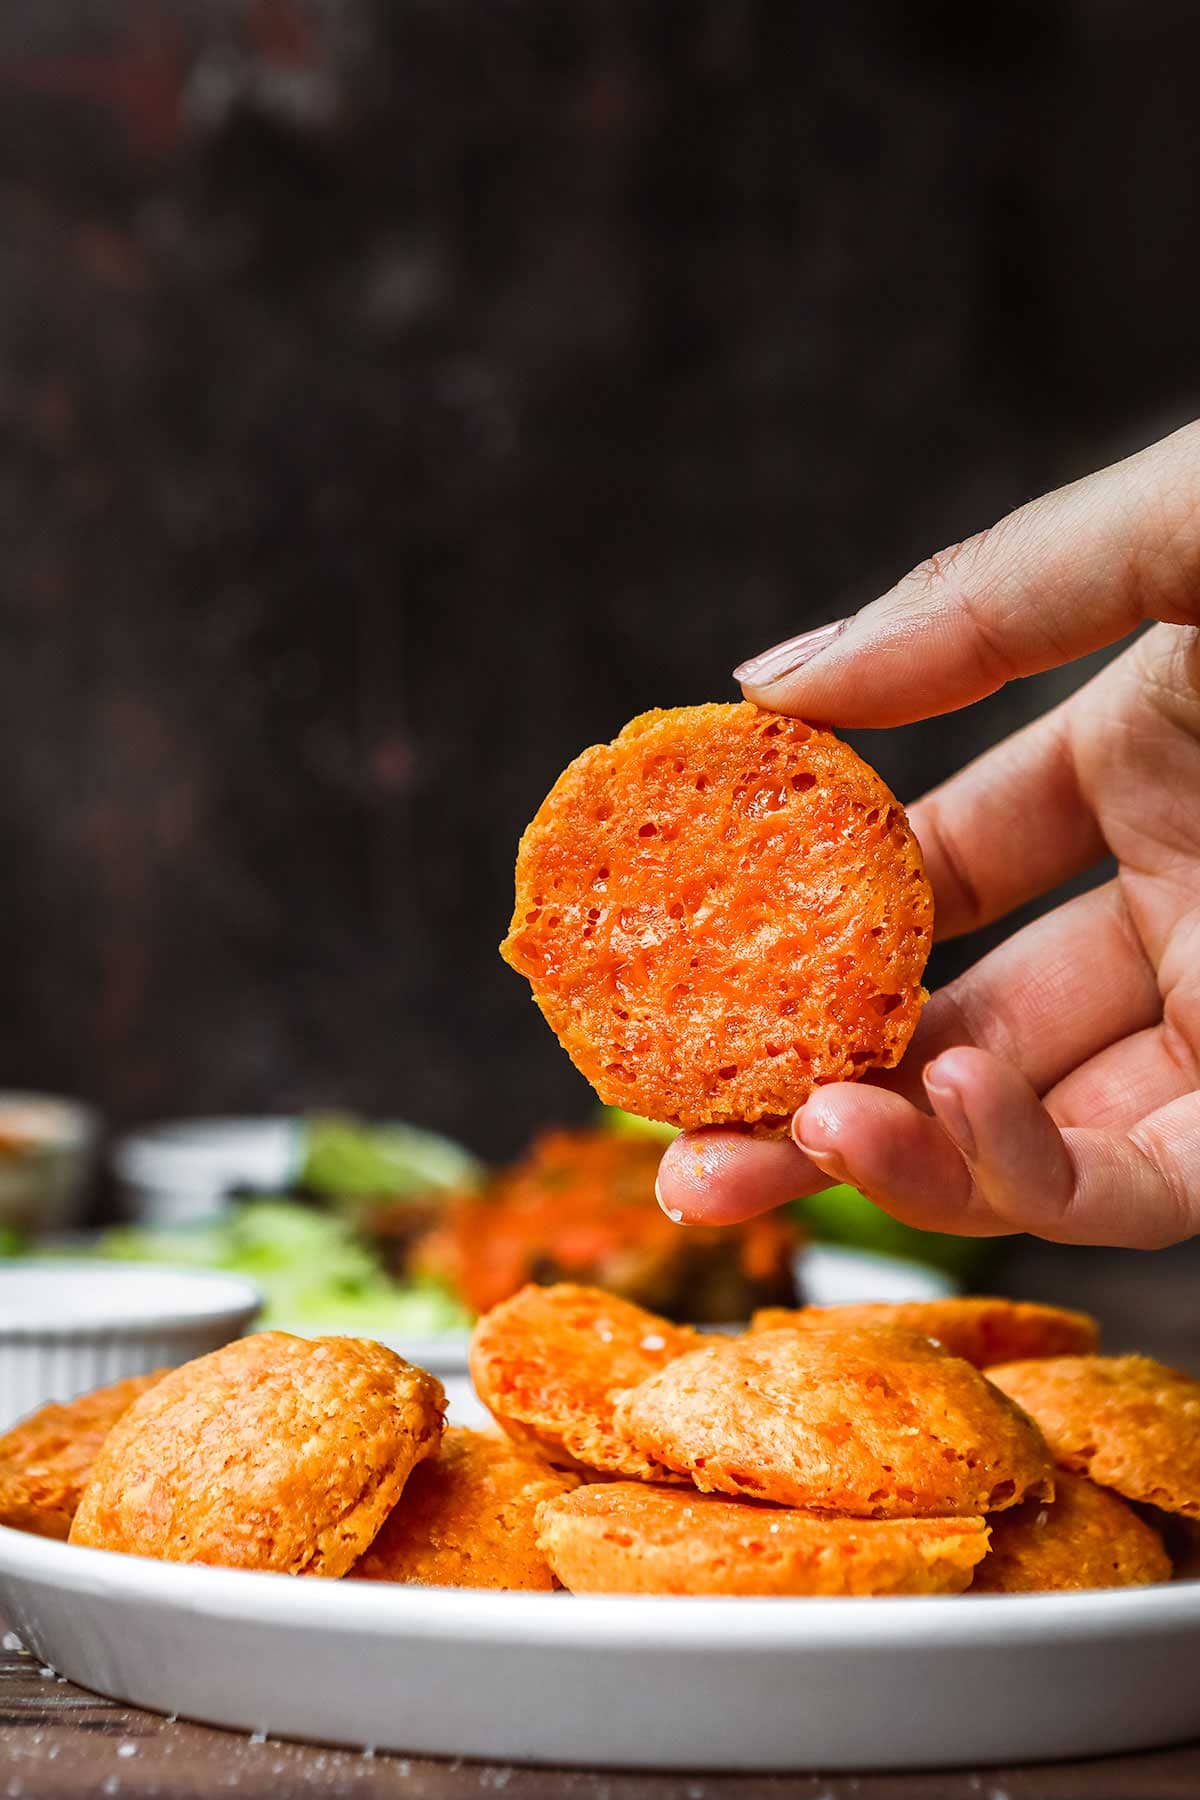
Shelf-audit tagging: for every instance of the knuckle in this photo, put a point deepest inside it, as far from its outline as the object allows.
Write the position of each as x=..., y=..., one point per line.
x=957, y=581
x=1190, y=661
x=945, y=571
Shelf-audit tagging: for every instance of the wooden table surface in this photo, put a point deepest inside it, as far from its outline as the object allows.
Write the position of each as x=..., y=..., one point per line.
x=56, y=1740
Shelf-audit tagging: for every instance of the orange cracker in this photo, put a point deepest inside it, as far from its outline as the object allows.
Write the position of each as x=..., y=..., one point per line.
x=981, y=1330
x=1128, y=1422
x=720, y=910
x=548, y=1362
x=632, y=1538
x=1086, y=1537
x=466, y=1518
x=877, y=1423
x=46, y=1459
x=275, y=1452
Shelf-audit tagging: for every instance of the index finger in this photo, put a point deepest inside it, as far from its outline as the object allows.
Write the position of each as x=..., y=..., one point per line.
x=1063, y=576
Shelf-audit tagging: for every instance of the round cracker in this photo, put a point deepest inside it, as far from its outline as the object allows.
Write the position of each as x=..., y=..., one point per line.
x=46, y=1459
x=720, y=910
x=631, y=1538
x=1086, y=1537
x=877, y=1423
x=1128, y=1422
x=548, y=1363
x=275, y=1452
x=981, y=1329
x=466, y=1518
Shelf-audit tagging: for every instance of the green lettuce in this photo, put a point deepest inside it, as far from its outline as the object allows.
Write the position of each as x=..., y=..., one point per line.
x=351, y=1163
x=310, y=1266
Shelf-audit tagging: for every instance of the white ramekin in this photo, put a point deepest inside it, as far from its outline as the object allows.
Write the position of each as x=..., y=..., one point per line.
x=183, y=1171
x=67, y=1327
x=44, y=1173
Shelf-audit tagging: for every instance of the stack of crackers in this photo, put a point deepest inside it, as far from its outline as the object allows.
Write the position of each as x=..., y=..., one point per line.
x=828, y=1451
x=842, y=1450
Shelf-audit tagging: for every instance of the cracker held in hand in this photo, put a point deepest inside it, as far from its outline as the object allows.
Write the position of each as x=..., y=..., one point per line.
x=720, y=910
x=878, y=1423
x=981, y=1330
x=548, y=1364
x=46, y=1459
x=466, y=1518
x=275, y=1452
x=629, y=1538
x=1085, y=1537
x=1126, y=1421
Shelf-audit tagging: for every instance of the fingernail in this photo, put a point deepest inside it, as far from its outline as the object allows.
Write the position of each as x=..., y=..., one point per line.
x=829, y=1161
x=951, y=1113
x=673, y=1213
x=784, y=659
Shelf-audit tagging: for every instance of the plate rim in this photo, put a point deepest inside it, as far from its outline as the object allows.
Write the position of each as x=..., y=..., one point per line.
x=693, y=1624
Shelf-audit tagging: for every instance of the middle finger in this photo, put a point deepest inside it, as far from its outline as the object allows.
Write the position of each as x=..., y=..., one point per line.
x=1057, y=993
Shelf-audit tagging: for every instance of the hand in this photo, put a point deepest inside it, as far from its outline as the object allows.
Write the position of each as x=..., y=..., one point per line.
x=1053, y=1088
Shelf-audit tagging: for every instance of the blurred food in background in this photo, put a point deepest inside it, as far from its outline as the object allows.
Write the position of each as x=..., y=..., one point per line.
x=46, y=1151
x=286, y=1201
x=313, y=1267
x=354, y=1165
x=842, y=1215
x=390, y=1230
x=580, y=1206
x=187, y=1170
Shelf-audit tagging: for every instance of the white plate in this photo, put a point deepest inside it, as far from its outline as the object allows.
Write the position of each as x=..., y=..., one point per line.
x=628, y=1683
x=620, y=1682
x=830, y=1277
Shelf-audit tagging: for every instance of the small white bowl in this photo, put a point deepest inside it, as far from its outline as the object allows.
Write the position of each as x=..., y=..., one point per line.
x=67, y=1328
x=183, y=1172
x=47, y=1147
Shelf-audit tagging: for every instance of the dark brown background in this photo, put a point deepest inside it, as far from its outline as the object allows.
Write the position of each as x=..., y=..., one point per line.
x=395, y=395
